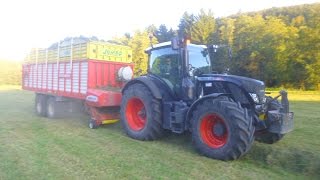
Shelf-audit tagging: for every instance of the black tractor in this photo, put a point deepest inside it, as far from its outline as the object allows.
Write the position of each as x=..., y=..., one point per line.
x=224, y=113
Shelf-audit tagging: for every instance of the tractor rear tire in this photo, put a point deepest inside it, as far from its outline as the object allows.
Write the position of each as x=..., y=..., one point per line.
x=222, y=129
x=269, y=137
x=40, y=105
x=140, y=113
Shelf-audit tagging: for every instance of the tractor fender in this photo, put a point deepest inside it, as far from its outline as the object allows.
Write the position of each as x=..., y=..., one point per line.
x=210, y=96
x=148, y=83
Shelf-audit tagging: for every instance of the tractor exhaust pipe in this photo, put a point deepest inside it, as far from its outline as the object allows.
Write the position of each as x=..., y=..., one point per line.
x=284, y=101
x=281, y=120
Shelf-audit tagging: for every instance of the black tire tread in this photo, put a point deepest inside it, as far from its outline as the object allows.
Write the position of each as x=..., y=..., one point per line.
x=242, y=123
x=153, y=129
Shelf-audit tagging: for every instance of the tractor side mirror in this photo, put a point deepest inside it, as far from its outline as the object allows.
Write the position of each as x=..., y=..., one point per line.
x=175, y=43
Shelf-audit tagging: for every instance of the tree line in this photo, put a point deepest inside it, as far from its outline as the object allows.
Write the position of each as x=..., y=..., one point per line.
x=279, y=45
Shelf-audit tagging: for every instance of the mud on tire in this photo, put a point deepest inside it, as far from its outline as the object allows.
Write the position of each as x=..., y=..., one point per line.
x=140, y=114
x=222, y=129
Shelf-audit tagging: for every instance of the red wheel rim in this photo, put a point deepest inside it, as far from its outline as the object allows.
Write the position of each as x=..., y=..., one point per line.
x=136, y=114
x=213, y=131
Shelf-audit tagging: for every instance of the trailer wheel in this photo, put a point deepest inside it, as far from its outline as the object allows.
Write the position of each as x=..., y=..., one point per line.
x=53, y=109
x=269, y=137
x=40, y=105
x=222, y=129
x=92, y=124
x=141, y=113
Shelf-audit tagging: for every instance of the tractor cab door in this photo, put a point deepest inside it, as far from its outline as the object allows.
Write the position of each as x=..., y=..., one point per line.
x=166, y=64
x=198, y=61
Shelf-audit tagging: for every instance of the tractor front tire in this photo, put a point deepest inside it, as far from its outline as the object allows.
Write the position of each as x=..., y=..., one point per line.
x=140, y=113
x=40, y=105
x=222, y=129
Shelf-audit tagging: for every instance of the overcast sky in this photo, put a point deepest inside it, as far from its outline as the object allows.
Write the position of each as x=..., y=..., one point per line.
x=39, y=23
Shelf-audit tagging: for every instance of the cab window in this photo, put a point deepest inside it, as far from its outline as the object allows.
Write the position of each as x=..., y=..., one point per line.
x=162, y=61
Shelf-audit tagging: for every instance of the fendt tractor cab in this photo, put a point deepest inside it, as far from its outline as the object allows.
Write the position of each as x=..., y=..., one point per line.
x=224, y=113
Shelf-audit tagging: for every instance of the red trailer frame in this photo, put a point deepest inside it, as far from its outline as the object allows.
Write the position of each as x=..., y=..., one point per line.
x=94, y=81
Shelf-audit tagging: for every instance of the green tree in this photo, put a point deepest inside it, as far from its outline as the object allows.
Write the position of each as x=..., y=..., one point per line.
x=185, y=25
x=203, y=27
x=263, y=48
x=123, y=40
x=223, y=37
x=139, y=43
x=226, y=31
x=163, y=34
x=279, y=46
x=305, y=60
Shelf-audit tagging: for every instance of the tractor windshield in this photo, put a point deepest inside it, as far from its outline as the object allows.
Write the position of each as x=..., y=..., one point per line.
x=164, y=62
x=199, y=61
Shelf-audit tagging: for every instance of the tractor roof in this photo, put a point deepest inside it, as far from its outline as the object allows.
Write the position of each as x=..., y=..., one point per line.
x=168, y=43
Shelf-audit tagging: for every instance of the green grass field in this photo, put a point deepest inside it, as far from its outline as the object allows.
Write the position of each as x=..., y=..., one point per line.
x=32, y=147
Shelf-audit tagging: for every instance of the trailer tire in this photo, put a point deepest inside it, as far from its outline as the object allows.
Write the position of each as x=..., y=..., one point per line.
x=222, y=129
x=53, y=109
x=92, y=124
x=40, y=105
x=269, y=137
x=140, y=113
